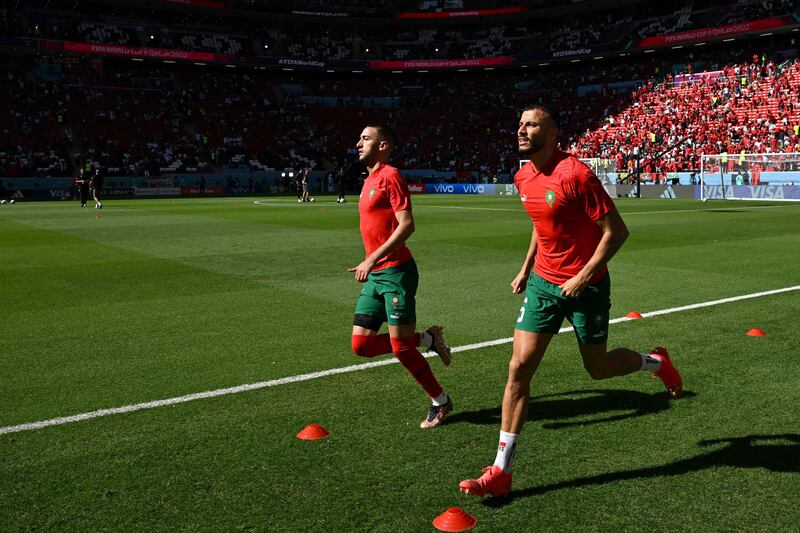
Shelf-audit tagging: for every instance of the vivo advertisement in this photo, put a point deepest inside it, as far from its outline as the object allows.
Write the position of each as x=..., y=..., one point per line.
x=460, y=188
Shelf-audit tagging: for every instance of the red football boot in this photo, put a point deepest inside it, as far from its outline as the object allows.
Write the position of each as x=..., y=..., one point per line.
x=493, y=481
x=668, y=373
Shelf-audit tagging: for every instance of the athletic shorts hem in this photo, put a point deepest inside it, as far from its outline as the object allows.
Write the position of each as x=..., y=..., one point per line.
x=537, y=330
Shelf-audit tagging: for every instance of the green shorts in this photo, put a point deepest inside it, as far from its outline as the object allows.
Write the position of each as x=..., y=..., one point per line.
x=544, y=309
x=390, y=295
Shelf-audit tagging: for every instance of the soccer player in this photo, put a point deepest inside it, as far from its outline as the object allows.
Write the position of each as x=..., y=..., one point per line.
x=298, y=183
x=576, y=231
x=389, y=274
x=97, y=188
x=342, y=178
x=304, y=184
x=83, y=186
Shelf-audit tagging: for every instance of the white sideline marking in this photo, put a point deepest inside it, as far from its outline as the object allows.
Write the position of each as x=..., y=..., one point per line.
x=623, y=213
x=521, y=210
x=343, y=370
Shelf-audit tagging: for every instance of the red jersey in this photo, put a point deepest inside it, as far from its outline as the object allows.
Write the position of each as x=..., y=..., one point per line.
x=384, y=193
x=564, y=199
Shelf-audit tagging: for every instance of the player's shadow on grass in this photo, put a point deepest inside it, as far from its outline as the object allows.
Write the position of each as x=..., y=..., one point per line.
x=578, y=408
x=751, y=451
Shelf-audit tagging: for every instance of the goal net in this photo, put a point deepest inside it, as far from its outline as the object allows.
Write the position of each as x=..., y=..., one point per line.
x=600, y=167
x=750, y=177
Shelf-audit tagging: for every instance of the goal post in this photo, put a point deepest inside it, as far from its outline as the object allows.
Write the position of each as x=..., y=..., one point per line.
x=743, y=176
x=601, y=167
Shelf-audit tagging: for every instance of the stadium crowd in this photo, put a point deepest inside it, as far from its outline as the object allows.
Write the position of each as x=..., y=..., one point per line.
x=147, y=119
x=541, y=30
x=743, y=108
x=33, y=140
x=140, y=120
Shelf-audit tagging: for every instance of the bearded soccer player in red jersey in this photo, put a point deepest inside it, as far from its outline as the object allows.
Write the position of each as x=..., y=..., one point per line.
x=576, y=231
x=389, y=274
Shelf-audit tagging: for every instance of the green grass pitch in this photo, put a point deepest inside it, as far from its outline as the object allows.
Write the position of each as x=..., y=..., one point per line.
x=154, y=299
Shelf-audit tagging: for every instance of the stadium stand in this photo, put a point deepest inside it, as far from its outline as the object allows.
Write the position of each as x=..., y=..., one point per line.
x=33, y=140
x=532, y=31
x=65, y=111
x=744, y=108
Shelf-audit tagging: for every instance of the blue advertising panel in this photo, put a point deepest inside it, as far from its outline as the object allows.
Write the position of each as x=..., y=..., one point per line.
x=460, y=188
x=754, y=192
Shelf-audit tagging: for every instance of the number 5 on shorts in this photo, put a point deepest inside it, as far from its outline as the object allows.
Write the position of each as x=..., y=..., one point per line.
x=522, y=311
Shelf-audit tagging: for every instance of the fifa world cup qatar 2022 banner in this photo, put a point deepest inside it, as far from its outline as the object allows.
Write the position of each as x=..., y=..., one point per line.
x=714, y=32
x=441, y=63
x=134, y=51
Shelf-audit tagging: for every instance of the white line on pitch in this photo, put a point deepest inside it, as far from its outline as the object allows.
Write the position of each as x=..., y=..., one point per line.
x=624, y=213
x=343, y=370
x=289, y=203
x=517, y=210
x=520, y=210
x=468, y=208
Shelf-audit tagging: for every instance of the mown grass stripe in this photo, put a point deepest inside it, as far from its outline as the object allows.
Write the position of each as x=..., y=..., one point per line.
x=342, y=370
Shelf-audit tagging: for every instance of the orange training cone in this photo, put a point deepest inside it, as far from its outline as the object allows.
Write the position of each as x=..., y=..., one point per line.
x=313, y=432
x=454, y=519
x=634, y=314
x=756, y=332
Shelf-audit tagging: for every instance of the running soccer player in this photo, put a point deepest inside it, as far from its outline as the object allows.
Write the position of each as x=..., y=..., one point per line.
x=576, y=231
x=97, y=188
x=389, y=274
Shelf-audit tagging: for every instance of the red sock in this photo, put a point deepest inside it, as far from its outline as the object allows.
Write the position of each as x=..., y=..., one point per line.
x=406, y=352
x=371, y=345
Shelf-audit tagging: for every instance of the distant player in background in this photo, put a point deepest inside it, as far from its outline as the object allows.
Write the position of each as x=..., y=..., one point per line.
x=345, y=174
x=82, y=181
x=5, y=198
x=97, y=188
x=576, y=231
x=304, y=184
x=390, y=276
x=341, y=177
x=298, y=183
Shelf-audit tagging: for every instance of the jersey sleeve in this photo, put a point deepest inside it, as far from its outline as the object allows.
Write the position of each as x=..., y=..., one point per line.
x=587, y=190
x=397, y=189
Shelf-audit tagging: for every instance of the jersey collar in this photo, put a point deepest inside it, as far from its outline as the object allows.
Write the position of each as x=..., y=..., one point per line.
x=548, y=167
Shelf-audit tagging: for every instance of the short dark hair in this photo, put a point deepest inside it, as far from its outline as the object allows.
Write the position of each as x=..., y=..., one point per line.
x=386, y=133
x=548, y=108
